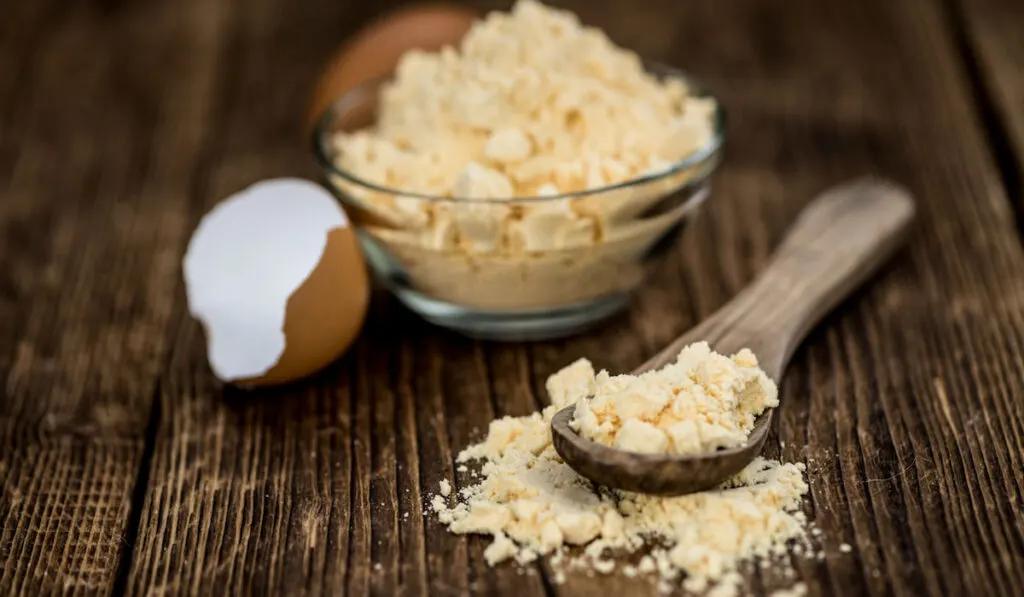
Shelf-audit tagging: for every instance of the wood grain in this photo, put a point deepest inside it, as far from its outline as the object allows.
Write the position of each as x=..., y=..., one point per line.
x=250, y=494
x=96, y=149
x=989, y=35
x=125, y=469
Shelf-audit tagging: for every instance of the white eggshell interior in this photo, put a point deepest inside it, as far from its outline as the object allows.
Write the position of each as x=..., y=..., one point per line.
x=244, y=261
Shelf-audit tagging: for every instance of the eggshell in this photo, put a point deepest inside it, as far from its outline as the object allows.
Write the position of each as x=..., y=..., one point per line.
x=374, y=51
x=275, y=275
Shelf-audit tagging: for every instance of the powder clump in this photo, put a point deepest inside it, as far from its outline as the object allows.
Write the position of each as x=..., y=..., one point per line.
x=533, y=503
x=702, y=402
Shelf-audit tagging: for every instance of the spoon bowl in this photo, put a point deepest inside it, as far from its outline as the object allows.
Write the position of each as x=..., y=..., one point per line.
x=656, y=474
x=837, y=242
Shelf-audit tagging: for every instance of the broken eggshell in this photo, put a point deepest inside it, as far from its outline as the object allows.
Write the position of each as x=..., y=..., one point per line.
x=275, y=276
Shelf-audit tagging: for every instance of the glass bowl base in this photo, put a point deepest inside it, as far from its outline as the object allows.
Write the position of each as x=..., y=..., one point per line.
x=514, y=326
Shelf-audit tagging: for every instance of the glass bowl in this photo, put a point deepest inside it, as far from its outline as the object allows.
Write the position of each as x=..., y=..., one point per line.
x=521, y=268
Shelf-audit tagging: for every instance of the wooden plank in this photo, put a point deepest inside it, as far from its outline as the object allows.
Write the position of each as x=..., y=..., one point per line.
x=249, y=494
x=903, y=405
x=993, y=46
x=101, y=112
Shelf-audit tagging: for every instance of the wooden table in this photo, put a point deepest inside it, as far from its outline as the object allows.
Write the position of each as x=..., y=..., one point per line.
x=125, y=469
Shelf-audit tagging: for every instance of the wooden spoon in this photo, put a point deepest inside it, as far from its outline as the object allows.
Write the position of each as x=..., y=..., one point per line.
x=834, y=245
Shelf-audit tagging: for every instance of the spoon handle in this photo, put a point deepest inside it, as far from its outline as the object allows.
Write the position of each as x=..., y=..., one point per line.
x=836, y=243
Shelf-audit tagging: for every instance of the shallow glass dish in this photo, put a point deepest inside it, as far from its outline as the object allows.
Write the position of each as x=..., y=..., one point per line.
x=552, y=274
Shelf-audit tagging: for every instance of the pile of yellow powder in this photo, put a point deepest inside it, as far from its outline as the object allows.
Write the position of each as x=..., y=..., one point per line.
x=702, y=402
x=532, y=102
x=533, y=504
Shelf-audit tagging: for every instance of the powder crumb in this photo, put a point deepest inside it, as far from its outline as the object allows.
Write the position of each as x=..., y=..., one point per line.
x=446, y=488
x=558, y=558
x=728, y=586
x=797, y=590
x=500, y=549
x=533, y=504
x=845, y=547
x=462, y=468
x=695, y=584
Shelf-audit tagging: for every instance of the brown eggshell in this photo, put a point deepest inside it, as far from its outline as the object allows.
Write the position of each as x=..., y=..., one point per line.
x=375, y=50
x=324, y=315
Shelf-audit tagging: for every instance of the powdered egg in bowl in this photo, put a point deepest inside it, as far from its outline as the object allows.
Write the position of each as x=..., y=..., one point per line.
x=520, y=202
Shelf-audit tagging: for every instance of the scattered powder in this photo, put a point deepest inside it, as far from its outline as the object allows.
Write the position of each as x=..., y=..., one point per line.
x=845, y=548
x=533, y=504
x=702, y=402
x=446, y=488
x=797, y=590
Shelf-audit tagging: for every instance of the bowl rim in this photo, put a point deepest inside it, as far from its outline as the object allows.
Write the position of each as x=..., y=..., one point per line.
x=322, y=133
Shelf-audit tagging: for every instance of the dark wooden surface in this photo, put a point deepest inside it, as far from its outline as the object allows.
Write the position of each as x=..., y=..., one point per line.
x=124, y=469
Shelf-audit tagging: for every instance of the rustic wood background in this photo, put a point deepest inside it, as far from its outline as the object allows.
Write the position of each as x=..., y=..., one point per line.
x=125, y=470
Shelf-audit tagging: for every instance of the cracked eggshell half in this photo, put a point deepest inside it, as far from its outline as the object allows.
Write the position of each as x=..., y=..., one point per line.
x=275, y=276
